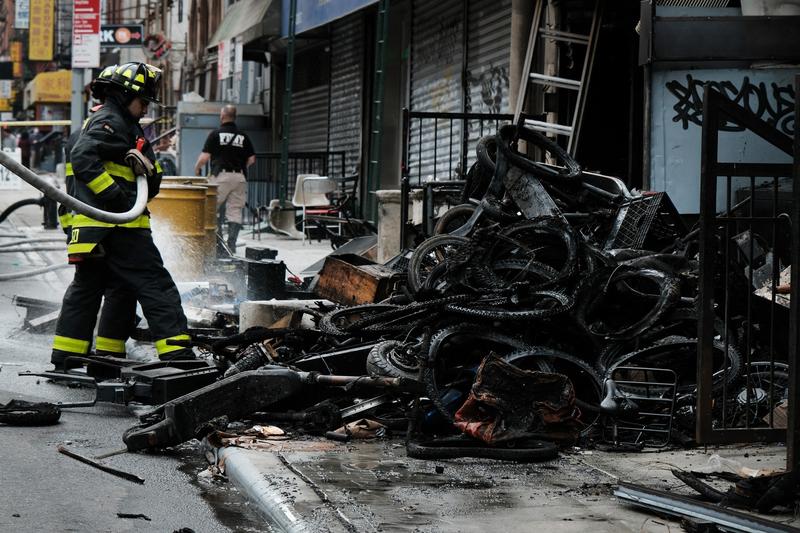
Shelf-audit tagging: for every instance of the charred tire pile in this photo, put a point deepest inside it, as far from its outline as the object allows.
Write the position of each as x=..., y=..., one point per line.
x=541, y=293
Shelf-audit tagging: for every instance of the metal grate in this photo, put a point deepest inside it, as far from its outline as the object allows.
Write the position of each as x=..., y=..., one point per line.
x=634, y=221
x=653, y=390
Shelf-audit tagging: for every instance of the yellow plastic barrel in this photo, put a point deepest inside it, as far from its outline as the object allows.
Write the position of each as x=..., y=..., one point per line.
x=211, y=207
x=178, y=219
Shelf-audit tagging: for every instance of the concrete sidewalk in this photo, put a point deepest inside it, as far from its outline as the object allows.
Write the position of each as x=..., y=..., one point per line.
x=321, y=485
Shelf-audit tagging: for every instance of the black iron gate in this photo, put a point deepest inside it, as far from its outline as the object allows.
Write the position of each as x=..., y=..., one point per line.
x=748, y=348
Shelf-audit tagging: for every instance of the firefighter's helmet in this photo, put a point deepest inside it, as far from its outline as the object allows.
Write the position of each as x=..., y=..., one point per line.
x=137, y=79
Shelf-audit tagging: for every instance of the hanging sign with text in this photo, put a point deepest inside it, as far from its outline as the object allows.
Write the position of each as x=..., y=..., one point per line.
x=40, y=33
x=86, y=34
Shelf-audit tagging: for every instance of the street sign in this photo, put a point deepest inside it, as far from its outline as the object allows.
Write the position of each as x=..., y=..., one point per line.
x=86, y=34
x=121, y=35
x=22, y=14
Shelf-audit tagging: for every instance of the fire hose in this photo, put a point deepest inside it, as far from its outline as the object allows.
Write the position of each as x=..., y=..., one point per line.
x=70, y=202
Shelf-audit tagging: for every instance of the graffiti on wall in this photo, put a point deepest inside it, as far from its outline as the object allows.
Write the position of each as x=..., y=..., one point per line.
x=492, y=83
x=773, y=103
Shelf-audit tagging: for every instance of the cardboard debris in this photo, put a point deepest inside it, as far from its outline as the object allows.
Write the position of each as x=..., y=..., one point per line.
x=780, y=415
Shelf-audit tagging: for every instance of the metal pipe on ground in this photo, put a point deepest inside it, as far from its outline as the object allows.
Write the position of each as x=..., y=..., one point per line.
x=8, y=250
x=55, y=238
x=34, y=272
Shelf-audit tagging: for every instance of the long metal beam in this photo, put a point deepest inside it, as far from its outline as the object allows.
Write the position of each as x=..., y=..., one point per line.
x=724, y=519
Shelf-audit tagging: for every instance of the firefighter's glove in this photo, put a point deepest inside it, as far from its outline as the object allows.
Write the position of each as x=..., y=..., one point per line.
x=139, y=163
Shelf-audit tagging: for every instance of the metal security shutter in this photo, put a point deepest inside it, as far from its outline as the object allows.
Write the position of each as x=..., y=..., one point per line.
x=347, y=91
x=436, y=85
x=488, y=49
x=309, y=126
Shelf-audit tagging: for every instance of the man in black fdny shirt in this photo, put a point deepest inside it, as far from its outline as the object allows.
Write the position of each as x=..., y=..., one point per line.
x=230, y=152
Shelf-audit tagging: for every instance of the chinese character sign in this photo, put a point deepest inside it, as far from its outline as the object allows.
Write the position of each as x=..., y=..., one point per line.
x=40, y=34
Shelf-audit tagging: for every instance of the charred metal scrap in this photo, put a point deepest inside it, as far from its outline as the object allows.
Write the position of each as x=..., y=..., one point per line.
x=557, y=284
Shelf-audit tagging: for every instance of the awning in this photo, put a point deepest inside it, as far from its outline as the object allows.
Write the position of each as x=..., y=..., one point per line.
x=248, y=20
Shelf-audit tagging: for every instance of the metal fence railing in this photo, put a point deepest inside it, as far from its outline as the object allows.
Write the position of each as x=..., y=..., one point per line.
x=439, y=148
x=749, y=232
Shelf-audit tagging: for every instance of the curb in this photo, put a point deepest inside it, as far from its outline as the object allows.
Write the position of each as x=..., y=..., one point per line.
x=271, y=501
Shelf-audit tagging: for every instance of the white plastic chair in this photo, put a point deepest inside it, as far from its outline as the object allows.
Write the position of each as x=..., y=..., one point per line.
x=310, y=193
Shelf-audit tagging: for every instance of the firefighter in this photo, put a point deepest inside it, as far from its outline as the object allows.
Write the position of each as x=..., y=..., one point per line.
x=118, y=314
x=104, y=162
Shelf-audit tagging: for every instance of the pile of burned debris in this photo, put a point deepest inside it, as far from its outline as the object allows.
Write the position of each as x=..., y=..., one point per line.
x=555, y=307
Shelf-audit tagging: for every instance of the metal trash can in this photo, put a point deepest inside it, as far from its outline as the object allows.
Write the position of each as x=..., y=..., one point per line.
x=179, y=228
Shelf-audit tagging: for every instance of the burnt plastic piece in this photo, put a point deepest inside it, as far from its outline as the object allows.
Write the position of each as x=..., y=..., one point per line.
x=237, y=396
x=156, y=383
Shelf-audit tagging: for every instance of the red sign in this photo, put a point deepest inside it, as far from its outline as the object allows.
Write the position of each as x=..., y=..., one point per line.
x=86, y=19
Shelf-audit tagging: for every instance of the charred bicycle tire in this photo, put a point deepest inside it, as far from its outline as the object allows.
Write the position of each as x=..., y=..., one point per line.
x=507, y=138
x=523, y=451
x=428, y=255
x=453, y=218
x=335, y=322
x=481, y=172
x=484, y=309
x=406, y=310
x=587, y=382
x=591, y=298
x=384, y=360
x=667, y=349
x=519, y=242
x=437, y=342
x=519, y=270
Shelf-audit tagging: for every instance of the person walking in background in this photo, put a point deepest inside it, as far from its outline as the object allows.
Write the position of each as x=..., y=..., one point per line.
x=9, y=139
x=24, y=144
x=231, y=153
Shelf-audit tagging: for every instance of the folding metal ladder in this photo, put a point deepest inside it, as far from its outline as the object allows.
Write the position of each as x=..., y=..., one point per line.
x=541, y=29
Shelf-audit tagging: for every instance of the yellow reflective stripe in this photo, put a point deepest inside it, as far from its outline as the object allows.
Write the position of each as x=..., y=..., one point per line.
x=80, y=248
x=109, y=345
x=68, y=169
x=68, y=344
x=162, y=347
x=101, y=183
x=123, y=171
x=139, y=78
x=65, y=220
x=158, y=167
x=82, y=221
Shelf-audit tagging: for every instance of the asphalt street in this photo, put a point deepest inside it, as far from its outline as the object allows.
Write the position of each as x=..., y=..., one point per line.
x=44, y=490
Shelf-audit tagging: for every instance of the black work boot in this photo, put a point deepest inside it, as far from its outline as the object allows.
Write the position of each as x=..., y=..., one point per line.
x=233, y=234
x=60, y=363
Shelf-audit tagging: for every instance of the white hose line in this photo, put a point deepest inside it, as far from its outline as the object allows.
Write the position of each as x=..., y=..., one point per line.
x=34, y=272
x=52, y=238
x=34, y=249
x=74, y=204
